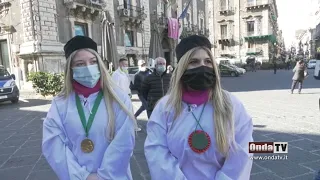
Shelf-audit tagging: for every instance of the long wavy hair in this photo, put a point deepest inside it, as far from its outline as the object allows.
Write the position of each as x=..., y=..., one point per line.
x=223, y=109
x=107, y=88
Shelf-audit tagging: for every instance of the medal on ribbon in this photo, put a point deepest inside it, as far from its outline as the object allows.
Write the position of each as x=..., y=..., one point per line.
x=199, y=141
x=87, y=145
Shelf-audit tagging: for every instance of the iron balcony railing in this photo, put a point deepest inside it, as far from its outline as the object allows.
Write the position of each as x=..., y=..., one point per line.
x=86, y=2
x=225, y=8
x=127, y=10
x=251, y=3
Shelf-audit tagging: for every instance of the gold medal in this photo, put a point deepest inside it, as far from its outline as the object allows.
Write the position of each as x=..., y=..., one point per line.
x=87, y=146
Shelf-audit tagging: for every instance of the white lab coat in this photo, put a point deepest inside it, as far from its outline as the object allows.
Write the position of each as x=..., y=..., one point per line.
x=170, y=157
x=122, y=79
x=63, y=133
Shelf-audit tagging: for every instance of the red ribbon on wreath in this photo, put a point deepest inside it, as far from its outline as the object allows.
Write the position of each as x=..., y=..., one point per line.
x=202, y=150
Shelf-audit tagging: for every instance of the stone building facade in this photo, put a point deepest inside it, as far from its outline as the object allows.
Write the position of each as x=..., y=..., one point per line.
x=195, y=22
x=33, y=32
x=245, y=28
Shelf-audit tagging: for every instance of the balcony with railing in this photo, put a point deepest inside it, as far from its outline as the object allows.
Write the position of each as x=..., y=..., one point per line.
x=204, y=32
x=225, y=38
x=226, y=10
x=254, y=4
x=254, y=51
x=84, y=8
x=133, y=14
x=258, y=36
x=190, y=29
x=5, y=3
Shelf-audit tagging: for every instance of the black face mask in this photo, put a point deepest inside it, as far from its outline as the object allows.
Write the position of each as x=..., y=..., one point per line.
x=200, y=78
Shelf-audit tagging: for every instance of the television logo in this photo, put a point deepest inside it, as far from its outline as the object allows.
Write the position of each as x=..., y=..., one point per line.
x=268, y=147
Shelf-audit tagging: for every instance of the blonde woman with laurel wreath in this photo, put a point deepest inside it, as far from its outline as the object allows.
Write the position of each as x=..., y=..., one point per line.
x=198, y=130
x=88, y=133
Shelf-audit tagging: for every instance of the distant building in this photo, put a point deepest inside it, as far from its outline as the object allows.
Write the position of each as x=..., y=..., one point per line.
x=33, y=33
x=246, y=28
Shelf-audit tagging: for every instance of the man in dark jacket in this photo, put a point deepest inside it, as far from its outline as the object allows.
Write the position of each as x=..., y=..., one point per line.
x=156, y=85
x=138, y=79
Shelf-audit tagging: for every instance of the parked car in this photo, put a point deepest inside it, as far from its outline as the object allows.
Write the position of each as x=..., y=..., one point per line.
x=8, y=88
x=241, y=70
x=226, y=70
x=311, y=64
x=223, y=60
x=133, y=70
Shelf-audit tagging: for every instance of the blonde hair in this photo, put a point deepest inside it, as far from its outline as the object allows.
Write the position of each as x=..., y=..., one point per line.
x=223, y=110
x=107, y=88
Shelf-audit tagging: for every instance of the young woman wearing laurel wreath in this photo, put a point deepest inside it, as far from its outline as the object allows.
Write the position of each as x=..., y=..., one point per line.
x=88, y=133
x=198, y=130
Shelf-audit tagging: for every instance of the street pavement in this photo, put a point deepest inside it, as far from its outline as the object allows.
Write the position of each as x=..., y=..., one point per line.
x=277, y=116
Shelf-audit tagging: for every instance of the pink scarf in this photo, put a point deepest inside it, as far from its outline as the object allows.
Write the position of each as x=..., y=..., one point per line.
x=85, y=91
x=195, y=97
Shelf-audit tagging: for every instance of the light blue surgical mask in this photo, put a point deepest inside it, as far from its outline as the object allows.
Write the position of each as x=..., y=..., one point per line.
x=161, y=68
x=87, y=76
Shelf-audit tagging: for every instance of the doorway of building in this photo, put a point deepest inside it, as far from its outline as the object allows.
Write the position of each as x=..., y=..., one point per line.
x=132, y=60
x=4, y=55
x=167, y=57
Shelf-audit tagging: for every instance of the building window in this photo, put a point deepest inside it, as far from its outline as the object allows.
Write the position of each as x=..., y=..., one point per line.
x=80, y=29
x=223, y=4
x=201, y=24
x=223, y=47
x=250, y=2
x=188, y=20
x=223, y=29
x=251, y=45
x=250, y=27
x=129, y=39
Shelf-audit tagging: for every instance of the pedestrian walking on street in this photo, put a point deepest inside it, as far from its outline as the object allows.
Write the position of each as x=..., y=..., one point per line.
x=299, y=76
x=288, y=64
x=156, y=85
x=121, y=77
x=274, y=67
x=198, y=130
x=138, y=79
x=89, y=133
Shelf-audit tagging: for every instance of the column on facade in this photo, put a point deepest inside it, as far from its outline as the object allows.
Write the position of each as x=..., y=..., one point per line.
x=40, y=31
x=194, y=13
x=39, y=25
x=211, y=21
x=146, y=27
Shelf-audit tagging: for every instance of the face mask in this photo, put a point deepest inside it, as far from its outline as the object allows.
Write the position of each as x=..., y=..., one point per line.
x=161, y=69
x=124, y=69
x=200, y=78
x=87, y=76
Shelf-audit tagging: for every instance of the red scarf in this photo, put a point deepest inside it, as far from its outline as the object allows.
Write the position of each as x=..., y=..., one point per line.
x=195, y=97
x=85, y=91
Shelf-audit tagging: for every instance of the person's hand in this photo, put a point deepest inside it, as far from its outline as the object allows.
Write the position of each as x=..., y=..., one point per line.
x=93, y=176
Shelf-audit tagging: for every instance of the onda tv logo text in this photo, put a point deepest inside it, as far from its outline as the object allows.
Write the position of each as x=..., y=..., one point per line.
x=268, y=147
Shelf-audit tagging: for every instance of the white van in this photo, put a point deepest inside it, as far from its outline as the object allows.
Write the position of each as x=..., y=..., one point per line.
x=317, y=70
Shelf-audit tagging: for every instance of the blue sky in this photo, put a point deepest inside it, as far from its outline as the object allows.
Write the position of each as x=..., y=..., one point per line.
x=298, y=16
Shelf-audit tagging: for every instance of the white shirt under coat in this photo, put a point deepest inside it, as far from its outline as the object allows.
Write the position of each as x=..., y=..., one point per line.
x=63, y=133
x=168, y=153
x=122, y=80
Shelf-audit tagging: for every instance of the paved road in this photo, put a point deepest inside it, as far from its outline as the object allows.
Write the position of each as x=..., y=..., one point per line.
x=277, y=115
